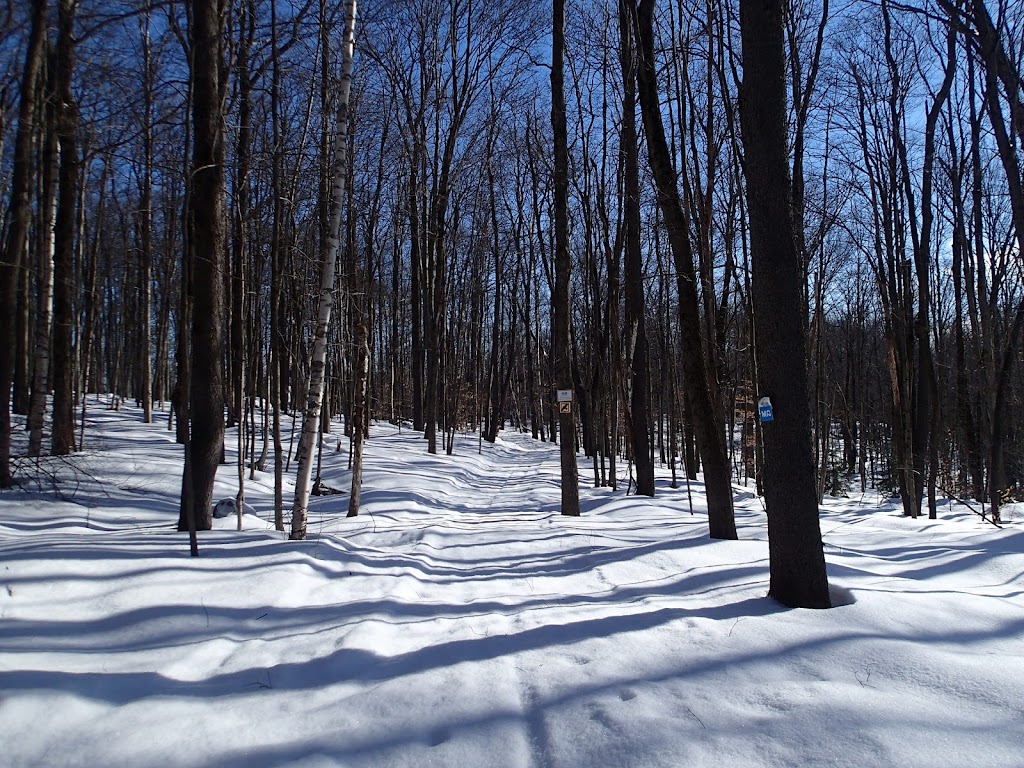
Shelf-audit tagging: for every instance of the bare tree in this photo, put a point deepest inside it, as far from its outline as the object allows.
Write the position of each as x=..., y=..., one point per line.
x=44, y=274
x=360, y=407
x=206, y=252
x=636, y=349
x=796, y=557
x=64, y=234
x=328, y=266
x=18, y=215
x=998, y=68
x=560, y=306
x=146, y=221
x=709, y=430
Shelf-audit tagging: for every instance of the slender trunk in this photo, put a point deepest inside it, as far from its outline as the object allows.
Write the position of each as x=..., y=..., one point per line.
x=359, y=419
x=63, y=437
x=240, y=249
x=359, y=412
x=329, y=260
x=495, y=415
x=22, y=368
x=416, y=280
x=275, y=362
x=91, y=300
x=44, y=280
x=708, y=430
x=146, y=228
x=637, y=349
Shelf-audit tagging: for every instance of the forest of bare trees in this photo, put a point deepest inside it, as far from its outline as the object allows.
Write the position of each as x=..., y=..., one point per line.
x=510, y=223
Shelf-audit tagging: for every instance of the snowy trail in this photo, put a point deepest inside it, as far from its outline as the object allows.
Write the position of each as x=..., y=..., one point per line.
x=460, y=621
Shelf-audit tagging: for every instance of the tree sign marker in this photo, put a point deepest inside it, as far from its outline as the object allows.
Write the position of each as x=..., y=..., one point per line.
x=564, y=396
x=764, y=409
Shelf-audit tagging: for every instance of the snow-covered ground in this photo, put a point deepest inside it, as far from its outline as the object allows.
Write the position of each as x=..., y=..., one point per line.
x=461, y=621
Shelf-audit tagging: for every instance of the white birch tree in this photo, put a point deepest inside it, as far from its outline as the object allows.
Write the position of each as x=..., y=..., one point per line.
x=328, y=264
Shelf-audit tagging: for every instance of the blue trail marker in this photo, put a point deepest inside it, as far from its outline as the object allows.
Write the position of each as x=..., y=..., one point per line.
x=764, y=409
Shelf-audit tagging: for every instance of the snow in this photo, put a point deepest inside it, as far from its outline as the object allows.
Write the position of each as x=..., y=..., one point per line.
x=461, y=621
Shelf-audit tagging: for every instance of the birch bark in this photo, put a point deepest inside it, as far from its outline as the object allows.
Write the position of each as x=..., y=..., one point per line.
x=329, y=260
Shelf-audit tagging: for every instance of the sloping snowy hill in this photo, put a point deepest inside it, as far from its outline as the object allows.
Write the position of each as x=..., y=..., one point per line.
x=460, y=621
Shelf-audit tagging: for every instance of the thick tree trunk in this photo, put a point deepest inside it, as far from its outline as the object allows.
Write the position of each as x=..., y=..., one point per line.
x=206, y=245
x=18, y=213
x=796, y=558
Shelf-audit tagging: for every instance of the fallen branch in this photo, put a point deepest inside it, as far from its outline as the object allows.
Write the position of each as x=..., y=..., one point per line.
x=980, y=514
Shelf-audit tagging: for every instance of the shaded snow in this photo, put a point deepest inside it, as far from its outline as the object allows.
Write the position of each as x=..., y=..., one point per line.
x=461, y=621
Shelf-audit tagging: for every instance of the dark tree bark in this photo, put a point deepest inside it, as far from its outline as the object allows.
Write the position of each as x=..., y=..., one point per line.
x=240, y=249
x=240, y=216
x=637, y=349
x=91, y=299
x=796, y=557
x=275, y=366
x=18, y=214
x=561, y=320
x=494, y=418
x=206, y=244
x=360, y=408
x=708, y=429
x=996, y=65
x=63, y=437
x=22, y=369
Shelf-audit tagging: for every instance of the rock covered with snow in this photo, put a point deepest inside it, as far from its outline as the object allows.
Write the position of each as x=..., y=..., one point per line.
x=226, y=508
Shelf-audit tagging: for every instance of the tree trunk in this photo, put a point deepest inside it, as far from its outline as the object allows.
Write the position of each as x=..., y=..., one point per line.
x=996, y=65
x=146, y=227
x=91, y=300
x=63, y=437
x=44, y=278
x=22, y=368
x=18, y=213
x=560, y=299
x=275, y=363
x=796, y=557
x=708, y=430
x=637, y=350
x=359, y=412
x=329, y=261
x=206, y=246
